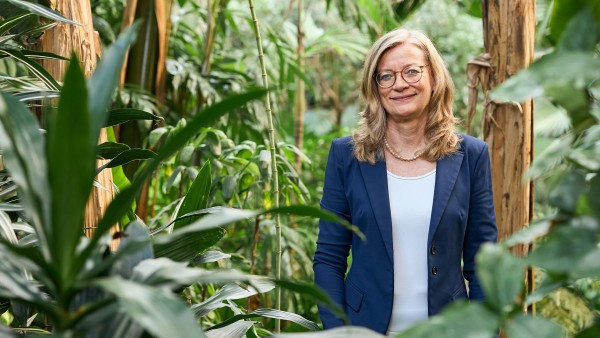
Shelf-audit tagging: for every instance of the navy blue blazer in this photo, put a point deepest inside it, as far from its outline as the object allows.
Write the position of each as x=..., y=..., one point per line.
x=462, y=219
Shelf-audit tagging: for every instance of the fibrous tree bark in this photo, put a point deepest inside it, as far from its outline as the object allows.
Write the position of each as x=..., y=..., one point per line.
x=509, y=32
x=85, y=43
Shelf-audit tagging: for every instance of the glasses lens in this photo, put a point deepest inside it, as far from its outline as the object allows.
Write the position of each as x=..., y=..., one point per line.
x=385, y=79
x=412, y=74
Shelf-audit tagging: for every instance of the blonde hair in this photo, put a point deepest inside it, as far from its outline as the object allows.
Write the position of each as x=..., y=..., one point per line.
x=440, y=126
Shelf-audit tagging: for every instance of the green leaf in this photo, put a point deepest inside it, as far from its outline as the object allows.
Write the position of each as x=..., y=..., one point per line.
x=127, y=156
x=186, y=248
x=592, y=331
x=459, y=319
x=501, y=276
x=563, y=246
x=109, y=150
x=528, y=234
x=338, y=332
x=23, y=147
x=34, y=67
x=71, y=164
x=209, y=257
x=237, y=329
x=197, y=196
x=8, y=23
x=584, y=68
x=270, y=313
x=565, y=195
x=105, y=79
x=159, y=311
x=122, y=115
x=580, y=33
x=42, y=11
x=231, y=291
x=136, y=231
x=40, y=55
x=304, y=210
x=524, y=326
x=594, y=195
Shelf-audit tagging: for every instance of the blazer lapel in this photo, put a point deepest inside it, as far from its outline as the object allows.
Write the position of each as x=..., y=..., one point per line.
x=375, y=178
x=447, y=170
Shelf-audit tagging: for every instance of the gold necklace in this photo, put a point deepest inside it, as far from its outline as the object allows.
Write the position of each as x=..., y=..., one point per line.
x=396, y=155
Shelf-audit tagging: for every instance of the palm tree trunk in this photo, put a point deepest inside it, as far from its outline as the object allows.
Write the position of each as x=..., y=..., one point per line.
x=509, y=33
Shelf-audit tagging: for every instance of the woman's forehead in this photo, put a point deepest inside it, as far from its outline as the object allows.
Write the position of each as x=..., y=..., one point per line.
x=401, y=56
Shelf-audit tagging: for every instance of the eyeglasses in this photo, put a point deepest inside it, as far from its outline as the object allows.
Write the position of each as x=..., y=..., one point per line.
x=410, y=74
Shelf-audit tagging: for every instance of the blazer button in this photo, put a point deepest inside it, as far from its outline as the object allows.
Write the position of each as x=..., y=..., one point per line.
x=433, y=250
x=434, y=271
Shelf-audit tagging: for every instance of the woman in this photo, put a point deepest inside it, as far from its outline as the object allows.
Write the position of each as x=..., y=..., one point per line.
x=420, y=193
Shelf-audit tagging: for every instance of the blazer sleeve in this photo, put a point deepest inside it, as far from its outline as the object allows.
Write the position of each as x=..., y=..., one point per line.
x=481, y=224
x=334, y=240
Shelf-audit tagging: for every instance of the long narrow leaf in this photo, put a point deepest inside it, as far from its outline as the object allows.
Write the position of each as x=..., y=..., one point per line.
x=71, y=162
x=42, y=11
x=8, y=23
x=271, y=313
x=236, y=330
x=105, y=79
x=23, y=149
x=122, y=115
x=35, y=68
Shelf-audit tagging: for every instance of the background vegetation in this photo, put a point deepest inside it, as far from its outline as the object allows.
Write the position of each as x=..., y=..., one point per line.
x=197, y=251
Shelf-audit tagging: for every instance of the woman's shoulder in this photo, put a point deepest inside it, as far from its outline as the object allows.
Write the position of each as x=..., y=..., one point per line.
x=470, y=144
x=343, y=147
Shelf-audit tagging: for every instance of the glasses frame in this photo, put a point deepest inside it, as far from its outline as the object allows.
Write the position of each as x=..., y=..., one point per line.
x=376, y=75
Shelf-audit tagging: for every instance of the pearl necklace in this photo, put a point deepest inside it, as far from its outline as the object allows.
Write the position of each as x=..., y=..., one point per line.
x=396, y=155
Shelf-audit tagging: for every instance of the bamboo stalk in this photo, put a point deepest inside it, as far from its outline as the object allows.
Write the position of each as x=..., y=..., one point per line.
x=273, y=159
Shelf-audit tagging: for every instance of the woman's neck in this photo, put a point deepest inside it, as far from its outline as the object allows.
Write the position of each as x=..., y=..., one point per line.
x=409, y=135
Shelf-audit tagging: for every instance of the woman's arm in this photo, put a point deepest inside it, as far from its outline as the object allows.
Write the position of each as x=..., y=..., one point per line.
x=481, y=224
x=333, y=243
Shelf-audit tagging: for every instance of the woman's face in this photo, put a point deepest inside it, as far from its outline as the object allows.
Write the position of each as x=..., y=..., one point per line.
x=405, y=101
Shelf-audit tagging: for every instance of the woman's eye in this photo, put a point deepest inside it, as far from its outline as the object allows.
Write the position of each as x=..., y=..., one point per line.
x=411, y=71
x=386, y=77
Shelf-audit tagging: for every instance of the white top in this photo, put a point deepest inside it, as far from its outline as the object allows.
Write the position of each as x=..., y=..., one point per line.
x=411, y=200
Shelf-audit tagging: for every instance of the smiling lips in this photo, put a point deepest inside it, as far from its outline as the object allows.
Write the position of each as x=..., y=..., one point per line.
x=403, y=97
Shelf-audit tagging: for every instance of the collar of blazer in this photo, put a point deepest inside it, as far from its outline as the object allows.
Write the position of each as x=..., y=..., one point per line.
x=375, y=177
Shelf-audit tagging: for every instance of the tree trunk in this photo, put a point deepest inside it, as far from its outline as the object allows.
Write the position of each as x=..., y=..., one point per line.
x=145, y=66
x=509, y=33
x=85, y=42
x=300, y=103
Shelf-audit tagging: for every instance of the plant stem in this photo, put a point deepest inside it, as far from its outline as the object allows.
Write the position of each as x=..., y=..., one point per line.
x=273, y=159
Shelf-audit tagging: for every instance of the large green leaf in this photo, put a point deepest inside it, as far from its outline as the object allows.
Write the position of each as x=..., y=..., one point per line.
x=563, y=246
x=549, y=70
x=460, y=319
x=71, y=164
x=525, y=326
x=573, y=39
x=501, y=276
x=159, y=311
x=563, y=11
x=23, y=147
